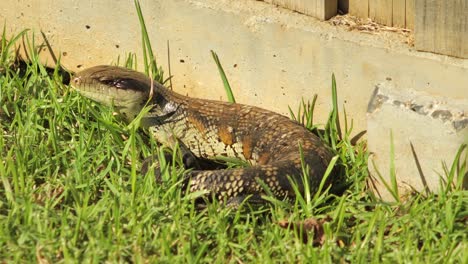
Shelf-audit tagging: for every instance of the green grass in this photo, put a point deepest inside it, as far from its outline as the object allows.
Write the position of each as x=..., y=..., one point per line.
x=70, y=191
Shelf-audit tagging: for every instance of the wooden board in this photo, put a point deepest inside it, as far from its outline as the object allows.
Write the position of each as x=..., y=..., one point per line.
x=359, y=8
x=325, y=9
x=399, y=13
x=410, y=13
x=321, y=9
x=442, y=27
x=381, y=11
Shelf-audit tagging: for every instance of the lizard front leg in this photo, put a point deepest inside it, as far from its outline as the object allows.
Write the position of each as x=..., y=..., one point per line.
x=151, y=163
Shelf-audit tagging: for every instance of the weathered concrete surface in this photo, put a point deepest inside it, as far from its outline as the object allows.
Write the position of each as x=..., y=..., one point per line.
x=427, y=130
x=272, y=56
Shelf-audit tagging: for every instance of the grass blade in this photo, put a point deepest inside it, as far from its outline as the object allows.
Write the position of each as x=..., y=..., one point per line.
x=227, y=87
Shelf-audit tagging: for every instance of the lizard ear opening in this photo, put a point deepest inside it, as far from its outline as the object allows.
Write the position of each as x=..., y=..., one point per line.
x=158, y=99
x=76, y=81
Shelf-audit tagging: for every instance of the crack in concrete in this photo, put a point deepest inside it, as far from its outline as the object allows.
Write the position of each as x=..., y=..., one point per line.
x=435, y=110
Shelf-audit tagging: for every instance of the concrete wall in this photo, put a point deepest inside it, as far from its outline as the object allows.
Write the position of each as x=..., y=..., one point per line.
x=424, y=131
x=273, y=57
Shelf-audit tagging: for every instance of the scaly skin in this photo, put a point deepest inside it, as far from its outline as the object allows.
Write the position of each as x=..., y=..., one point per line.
x=209, y=129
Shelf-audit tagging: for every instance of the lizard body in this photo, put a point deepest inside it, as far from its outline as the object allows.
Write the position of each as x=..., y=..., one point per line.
x=268, y=141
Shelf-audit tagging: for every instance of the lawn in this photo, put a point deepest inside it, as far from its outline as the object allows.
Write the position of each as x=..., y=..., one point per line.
x=71, y=191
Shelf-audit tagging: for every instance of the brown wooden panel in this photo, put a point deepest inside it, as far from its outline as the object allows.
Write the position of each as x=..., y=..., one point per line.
x=359, y=8
x=399, y=13
x=321, y=9
x=381, y=11
x=442, y=27
x=410, y=13
x=325, y=9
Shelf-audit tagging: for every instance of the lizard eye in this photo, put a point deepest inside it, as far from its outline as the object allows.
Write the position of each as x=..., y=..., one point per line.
x=123, y=83
x=117, y=83
x=106, y=81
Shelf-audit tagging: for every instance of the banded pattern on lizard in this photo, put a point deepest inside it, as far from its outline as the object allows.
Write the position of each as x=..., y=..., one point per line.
x=209, y=129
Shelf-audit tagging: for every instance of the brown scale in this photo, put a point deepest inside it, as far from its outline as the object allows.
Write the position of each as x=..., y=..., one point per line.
x=269, y=141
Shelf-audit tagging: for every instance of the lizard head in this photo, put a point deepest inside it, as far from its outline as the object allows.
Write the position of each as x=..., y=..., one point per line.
x=128, y=91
